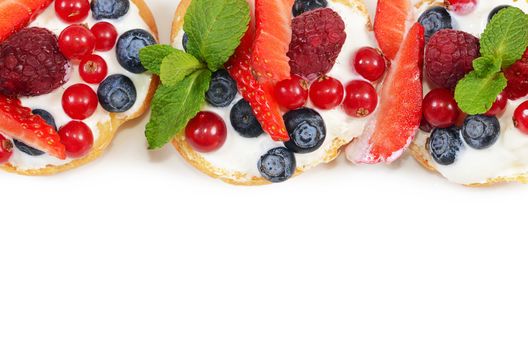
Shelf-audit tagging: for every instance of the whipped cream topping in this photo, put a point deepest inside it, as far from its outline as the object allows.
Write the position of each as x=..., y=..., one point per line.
x=241, y=155
x=508, y=157
x=52, y=102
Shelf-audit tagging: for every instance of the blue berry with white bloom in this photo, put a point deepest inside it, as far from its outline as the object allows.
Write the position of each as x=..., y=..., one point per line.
x=128, y=46
x=117, y=93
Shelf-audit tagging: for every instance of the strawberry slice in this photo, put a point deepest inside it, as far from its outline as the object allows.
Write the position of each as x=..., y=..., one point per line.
x=19, y=123
x=259, y=95
x=390, y=25
x=272, y=39
x=16, y=14
x=394, y=126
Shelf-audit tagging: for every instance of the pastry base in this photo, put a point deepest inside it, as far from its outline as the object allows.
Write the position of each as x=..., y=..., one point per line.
x=108, y=129
x=238, y=177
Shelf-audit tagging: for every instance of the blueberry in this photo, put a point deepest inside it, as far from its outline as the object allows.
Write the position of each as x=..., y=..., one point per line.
x=445, y=144
x=306, y=128
x=185, y=41
x=435, y=19
x=27, y=149
x=277, y=165
x=222, y=90
x=117, y=93
x=481, y=131
x=30, y=150
x=496, y=10
x=109, y=9
x=244, y=121
x=302, y=6
x=128, y=47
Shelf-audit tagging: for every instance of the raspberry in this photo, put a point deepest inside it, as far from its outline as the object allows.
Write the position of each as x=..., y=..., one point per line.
x=31, y=63
x=517, y=76
x=449, y=57
x=317, y=39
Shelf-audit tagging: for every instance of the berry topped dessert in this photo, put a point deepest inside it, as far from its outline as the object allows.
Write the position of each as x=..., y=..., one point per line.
x=70, y=75
x=474, y=129
x=258, y=91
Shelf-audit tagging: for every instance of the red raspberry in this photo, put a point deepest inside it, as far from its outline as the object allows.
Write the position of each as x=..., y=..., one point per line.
x=517, y=76
x=449, y=56
x=317, y=39
x=31, y=63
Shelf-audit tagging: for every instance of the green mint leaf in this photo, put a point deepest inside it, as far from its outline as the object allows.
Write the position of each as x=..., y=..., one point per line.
x=506, y=36
x=174, y=106
x=215, y=29
x=152, y=56
x=485, y=66
x=177, y=66
x=476, y=95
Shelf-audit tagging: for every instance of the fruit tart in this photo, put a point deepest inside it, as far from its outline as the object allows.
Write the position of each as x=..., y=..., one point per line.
x=277, y=86
x=475, y=111
x=70, y=76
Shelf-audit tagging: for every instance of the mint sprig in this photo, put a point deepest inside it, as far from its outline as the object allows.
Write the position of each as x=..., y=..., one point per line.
x=178, y=65
x=477, y=94
x=485, y=66
x=174, y=106
x=152, y=56
x=215, y=29
x=506, y=36
x=503, y=43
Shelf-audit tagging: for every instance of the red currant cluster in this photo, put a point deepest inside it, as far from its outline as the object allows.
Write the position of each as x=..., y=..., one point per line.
x=440, y=110
x=207, y=132
x=78, y=43
x=359, y=98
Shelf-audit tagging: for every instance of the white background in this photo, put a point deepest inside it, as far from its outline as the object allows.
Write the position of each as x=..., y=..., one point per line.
x=140, y=251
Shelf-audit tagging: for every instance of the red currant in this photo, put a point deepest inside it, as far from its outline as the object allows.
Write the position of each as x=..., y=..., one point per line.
x=93, y=69
x=425, y=126
x=76, y=41
x=369, y=63
x=520, y=117
x=6, y=149
x=440, y=109
x=461, y=119
x=327, y=93
x=361, y=99
x=499, y=106
x=79, y=101
x=105, y=36
x=462, y=7
x=72, y=11
x=292, y=93
x=206, y=132
x=77, y=138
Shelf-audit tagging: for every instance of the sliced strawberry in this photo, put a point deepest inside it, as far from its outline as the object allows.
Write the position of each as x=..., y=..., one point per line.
x=19, y=123
x=272, y=39
x=390, y=25
x=259, y=95
x=398, y=118
x=16, y=14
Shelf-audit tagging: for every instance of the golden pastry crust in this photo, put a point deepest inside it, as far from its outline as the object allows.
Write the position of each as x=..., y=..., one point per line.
x=422, y=157
x=108, y=129
x=236, y=177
